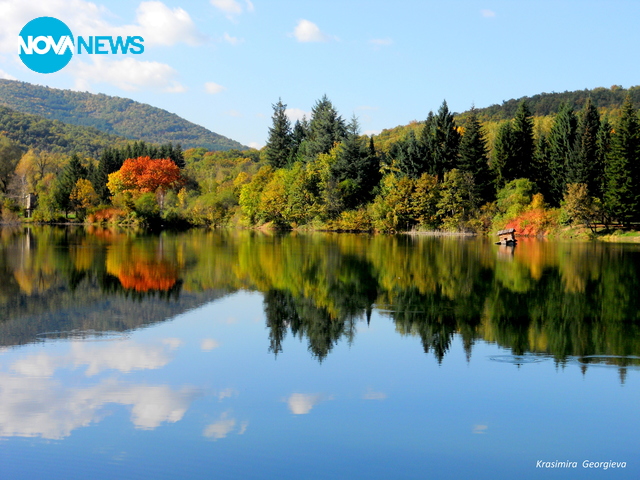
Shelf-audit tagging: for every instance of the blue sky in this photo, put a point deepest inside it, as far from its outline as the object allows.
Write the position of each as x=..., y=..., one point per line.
x=223, y=63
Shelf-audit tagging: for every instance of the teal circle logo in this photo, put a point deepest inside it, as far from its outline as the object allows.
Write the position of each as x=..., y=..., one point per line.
x=46, y=45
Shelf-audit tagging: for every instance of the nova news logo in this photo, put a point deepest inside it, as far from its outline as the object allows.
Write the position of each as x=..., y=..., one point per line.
x=47, y=45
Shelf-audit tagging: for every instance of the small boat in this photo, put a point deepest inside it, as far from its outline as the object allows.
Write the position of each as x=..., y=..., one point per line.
x=507, y=237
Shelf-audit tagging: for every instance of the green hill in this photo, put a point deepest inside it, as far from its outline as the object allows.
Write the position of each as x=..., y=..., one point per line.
x=33, y=131
x=607, y=100
x=114, y=115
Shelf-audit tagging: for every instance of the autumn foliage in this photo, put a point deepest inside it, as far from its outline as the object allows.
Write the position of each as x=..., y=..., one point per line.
x=144, y=175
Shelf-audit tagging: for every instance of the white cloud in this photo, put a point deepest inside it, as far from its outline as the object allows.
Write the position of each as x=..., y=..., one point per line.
x=232, y=7
x=255, y=145
x=296, y=114
x=4, y=75
x=161, y=25
x=221, y=428
x=155, y=22
x=307, y=31
x=371, y=395
x=480, y=429
x=41, y=407
x=226, y=393
x=128, y=74
x=381, y=42
x=122, y=356
x=232, y=40
x=372, y=132
x=213, y=88
x=208, y=344
x=487, y=13
x=301, y=403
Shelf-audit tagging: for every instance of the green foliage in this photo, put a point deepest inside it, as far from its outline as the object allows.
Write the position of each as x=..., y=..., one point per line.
x=458, y=200
x=442, y=140
x=473, y=158
x=561, y=139
x=512, y=199
x=279, y=144
x=32, y=131
x=10, y=154
x=578, y=207
x=622, y=168
x=326, y=128
x=115, y=116
x=146, y=206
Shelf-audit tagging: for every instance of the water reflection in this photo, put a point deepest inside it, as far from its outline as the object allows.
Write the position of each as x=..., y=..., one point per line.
x=567, y=300
x=34, y=402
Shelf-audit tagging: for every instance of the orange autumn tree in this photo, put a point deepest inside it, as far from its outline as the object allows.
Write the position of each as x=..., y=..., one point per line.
x=145, y=175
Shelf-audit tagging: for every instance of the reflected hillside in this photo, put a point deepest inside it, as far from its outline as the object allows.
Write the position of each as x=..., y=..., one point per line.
x=569, y=300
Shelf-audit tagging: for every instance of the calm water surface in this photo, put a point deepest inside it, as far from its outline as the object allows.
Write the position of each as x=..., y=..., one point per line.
x=244, y=355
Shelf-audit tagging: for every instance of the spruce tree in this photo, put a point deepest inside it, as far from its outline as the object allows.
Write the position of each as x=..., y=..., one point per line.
x=504, y=155
x=561, y=143
x=622, y=188
x=410, y=156
x=279, y=144
x=522, y=130
x=585, y=167
x=442, y=140
x=326, y=128
x=473, y=157
x=64, y=184
x=357, y=168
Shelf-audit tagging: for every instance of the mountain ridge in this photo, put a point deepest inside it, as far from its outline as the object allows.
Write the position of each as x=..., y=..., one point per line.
x=113, y=115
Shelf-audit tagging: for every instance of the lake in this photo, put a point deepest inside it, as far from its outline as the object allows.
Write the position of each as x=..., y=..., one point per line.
x=247, y=355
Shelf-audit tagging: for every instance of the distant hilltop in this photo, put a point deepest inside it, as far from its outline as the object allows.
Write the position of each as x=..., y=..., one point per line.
x=117, y=116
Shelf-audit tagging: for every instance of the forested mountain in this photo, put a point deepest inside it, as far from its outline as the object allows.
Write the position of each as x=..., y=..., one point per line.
x=113, y=115
x=608, y=100
x=33, y=131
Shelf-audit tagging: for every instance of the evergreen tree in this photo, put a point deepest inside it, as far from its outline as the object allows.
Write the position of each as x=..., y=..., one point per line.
x=326, y=128
x=298, y=135
x=622, y=190
x=562, y=139
x=603, y=147
x=473, y=158
x=357, y=168
x=67, y=180
x=280, y=142
x=523, y=142
x=504, y=155
x=541, y=175
x=410, y=156
x=442, y=141
x=585, y=167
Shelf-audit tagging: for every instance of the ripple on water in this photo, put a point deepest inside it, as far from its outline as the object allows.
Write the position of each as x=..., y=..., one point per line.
x=519, y=359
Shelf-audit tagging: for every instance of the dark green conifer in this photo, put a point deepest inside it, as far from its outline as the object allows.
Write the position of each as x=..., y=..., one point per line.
x=473, y=157
x=562, y=139
x=279, y=144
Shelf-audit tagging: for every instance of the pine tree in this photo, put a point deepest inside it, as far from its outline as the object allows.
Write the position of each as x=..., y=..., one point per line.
x=326, y=128
x=278, y=148
x=622, y=190
x=473, y=157
x=67, y=180
x=522, y=129
x=585, y=167
x=410, y=156
x=541, y=175
x=357, y=168
x=562, y=139
x=442, y=141
x=504, y=155
x=603, y=142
